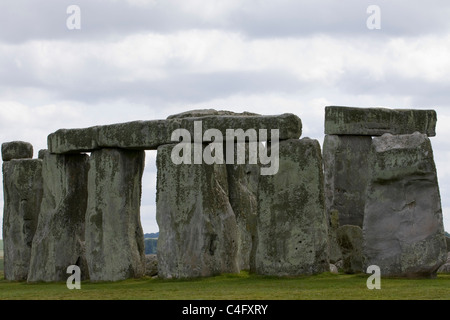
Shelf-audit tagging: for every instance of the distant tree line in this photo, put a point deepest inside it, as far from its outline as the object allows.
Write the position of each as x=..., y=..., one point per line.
x=151, y=242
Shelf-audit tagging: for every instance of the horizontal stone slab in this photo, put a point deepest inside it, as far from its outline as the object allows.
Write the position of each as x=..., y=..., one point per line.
x=378, y=121
x=16, y=150
x=148, y=135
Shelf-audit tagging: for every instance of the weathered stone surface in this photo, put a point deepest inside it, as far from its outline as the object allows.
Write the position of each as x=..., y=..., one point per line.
x=350, y=240
x=292, y=223
x=198, y=230
x=243, y=194
x=445, y=268
x=59, y=239
x=403, y=227
x=148, y=135
x=210, y=112
x=333, y=269
x=333, y=225
x=73, y=140
x=22, y=187
x=346, y=169
x=151, y=265
x=16, y=150
x=447, y=240
x=114, y=236
x=378, y=121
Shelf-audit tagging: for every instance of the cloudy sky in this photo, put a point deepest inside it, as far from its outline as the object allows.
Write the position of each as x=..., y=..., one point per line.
x=148, y=59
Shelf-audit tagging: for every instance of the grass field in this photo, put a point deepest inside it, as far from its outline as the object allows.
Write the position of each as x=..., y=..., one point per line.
x=243, y=286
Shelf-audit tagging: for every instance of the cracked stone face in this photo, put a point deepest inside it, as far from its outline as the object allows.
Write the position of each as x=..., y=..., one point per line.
x=403, y=227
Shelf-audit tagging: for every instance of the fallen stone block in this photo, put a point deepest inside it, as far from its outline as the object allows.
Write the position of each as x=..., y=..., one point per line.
x=198, y=230
x=16, y=150
x=59, y=239
x=114, y=236
x=292, y=224
x=403, y=224
x=378, y=121
x=22, y=187
x=350, y=240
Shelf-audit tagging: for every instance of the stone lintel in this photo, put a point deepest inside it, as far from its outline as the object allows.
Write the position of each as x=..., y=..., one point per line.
x=148, y=135
x=378, y=121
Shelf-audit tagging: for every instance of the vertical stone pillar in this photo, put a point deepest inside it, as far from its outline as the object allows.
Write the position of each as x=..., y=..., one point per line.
x=346, y=170
x=292, y=223
x=22, y=187
x=403, y=226
x=198, y=231
x=243, y=194
x=59, y=239
x=114, y=236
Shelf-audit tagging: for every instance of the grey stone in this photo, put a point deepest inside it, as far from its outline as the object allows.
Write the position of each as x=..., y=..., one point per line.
x=292, y=224
x=333, y=269
x=73, y=140
x=445, y=268
x=151, y=265
x=243, y=194
x=198, y=230
x=350, y=240
x=378, y=121
x=334, y=248
x=403, y=225
x=59, y=239
x=210, y=112
x=447, y=240
x=346, y=174
x=114, y=236
x=22, y=187
x=42, y=153
x=16, y=150
x=148, y=135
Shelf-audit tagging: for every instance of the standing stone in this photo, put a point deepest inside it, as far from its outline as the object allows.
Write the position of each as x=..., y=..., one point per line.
x=292, y=223
x=198, y=231
x=22, y=187
x=346, y=173
x=16, y=150
x=59, y=239
x=350, y=240
x=243, y=194
x=403, y=225
x=114, y=236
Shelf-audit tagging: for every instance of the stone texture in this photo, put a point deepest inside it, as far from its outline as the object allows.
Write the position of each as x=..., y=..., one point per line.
x=445, y=268
x=22, y=187
x=292, y=223
x=403, y=227
x=198, y=230
x=210, y=112
x=114, y=236
x=16, y=150
x=243, y=195
x=378, y=121
x=334, y=248
x=148, y=135
x=346, y=173
x=350, y=240
x=151, y=265
x=59, y=239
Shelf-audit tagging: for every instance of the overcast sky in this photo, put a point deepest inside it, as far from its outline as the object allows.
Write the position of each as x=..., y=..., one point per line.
x=148, y=59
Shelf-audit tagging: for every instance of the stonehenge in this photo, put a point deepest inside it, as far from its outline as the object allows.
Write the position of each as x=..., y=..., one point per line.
x=235, y=191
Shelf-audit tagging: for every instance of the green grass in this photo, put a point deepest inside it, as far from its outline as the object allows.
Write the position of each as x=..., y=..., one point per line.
x=243, y=286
